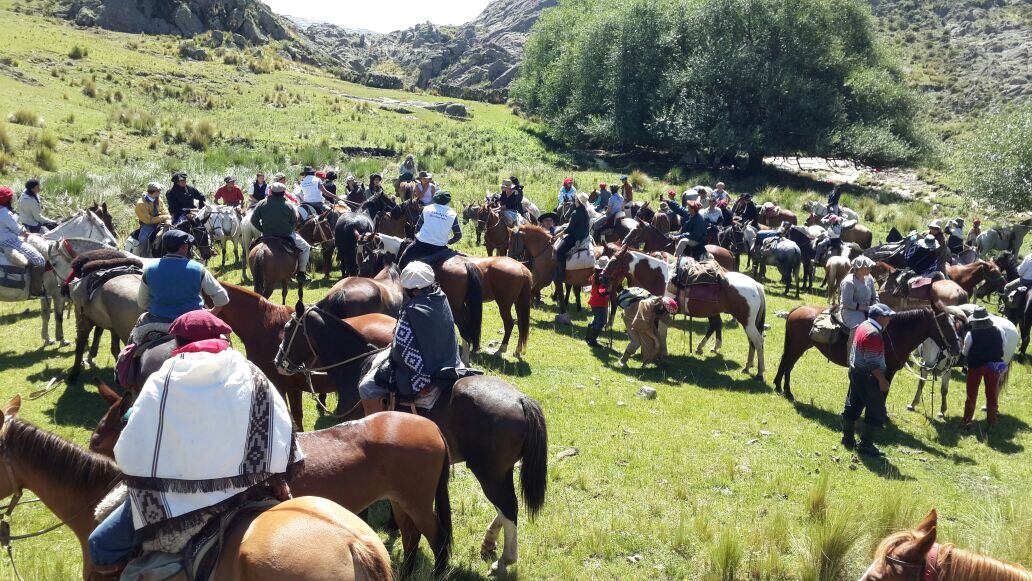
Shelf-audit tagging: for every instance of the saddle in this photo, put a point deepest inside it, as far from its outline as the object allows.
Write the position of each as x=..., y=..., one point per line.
x=581, y=256
x=770, y=210
x=849, y=225
x=828, y=326
x=284, y=243
x=702, y=280
x=920, y=288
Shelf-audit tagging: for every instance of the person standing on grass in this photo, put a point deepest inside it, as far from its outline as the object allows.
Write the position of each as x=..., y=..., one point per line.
x=868, y=384
x=259, y=189
x=983, y=348
x=598, y=301
x=230, y=194
x=30, y=209
x=647, y=321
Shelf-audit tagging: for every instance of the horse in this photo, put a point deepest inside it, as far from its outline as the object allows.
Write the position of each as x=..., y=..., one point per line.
x=730, y=237
x=496, y=233
x=784, y=254
x=916, y=555
x=469, y=214
x=487, y=422
x=349, y=229
x=801, y=235
x=934, y=361
x=743, y=298
x=101, y=212
x=652, y=240
x=317, y=231
x=223, y=226
x=259, y=325
x=969, y=276
x=904, y=334
x=820, y=210
x=391, y=223
x=1021, y=316
x=943, y=293
x=355, y=295
x=390, y=456
x=272, y=263
x=1007, y=238
x=835, y=271
x=533, y=245
x=303, y=538
x=774, y=216
x=193, y=226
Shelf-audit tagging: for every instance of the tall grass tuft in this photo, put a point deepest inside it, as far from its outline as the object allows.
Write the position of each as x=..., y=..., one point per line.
x=824, y=549
x=78, y=52
x=26, y=117
x=892, y=513
x=639, y=180
x=725, y=557
x=5, y=140
x=817, y=498
x=7, y=162
x=75, y=183
x=45, y=159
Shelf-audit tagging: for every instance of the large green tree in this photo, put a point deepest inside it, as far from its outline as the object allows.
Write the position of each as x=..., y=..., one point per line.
x=994, y=163
x=762, y=77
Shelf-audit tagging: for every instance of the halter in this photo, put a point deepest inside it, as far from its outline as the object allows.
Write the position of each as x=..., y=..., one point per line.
x=282, y=355
x=943, y=356
x=926, y=570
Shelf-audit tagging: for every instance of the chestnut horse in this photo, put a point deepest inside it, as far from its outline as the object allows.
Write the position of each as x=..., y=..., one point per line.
x=487, y=422
x=496, y=234
x=398, y=457
x=652, y=240
x=742, y=298
x=271, y=264
x=916, y=554
x=533, y=245
x=357, y=295
x=904, y=334
x=259, y=325
x=969, y=276
x=303, y=538
x=773, y=217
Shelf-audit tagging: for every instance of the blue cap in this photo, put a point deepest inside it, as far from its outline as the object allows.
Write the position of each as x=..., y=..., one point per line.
x=623, y=178
x=880, y=310
x=173, y=239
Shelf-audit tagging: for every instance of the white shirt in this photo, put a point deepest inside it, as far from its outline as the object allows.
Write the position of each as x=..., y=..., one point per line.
x=1025, y=269
x=10, y=228
x=437, y=225
x=310, y=192
x=711, y=215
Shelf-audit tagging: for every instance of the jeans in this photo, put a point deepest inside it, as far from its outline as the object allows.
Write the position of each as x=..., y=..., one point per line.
x=598, y=317
x=992, y=391
x=113, y=541
x=306, y=251
x=864, y=393
x=561, y=255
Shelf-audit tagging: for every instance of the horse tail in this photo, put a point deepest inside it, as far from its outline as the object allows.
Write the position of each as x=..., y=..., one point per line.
x=442, y=510
x=258, y=274
x=761, y=317
x=534, y=454
x=523, y=301
x=473, y=305
x=370, y=561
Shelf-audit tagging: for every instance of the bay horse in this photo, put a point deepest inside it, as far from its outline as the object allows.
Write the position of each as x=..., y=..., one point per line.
x=496, y=233
x=318, y=232
x=487, y=422
x=357, y=295
x=917, y=554
x=388, y=223
x=272, y=265
x=391, y=456
x=259, y=325
x=742, y=298
x=730, y=237
x=469, y=214
x=858, y=234
x=533, y=245
x=773, y=216
x=969, y=276
x=904, y=334
x=652, y=240
x=305, y=537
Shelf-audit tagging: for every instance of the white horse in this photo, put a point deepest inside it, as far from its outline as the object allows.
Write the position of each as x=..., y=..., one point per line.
x=819, y=209
x=935, y=365
x=1003, y=239
x=223, y=226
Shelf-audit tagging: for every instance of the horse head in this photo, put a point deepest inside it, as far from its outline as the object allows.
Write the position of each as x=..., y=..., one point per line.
x=105, y=435
x=294, y=351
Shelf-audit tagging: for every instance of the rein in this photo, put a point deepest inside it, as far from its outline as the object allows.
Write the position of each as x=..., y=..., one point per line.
x=935, y=368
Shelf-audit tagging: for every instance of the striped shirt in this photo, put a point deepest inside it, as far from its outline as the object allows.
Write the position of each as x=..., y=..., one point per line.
x=868, y=350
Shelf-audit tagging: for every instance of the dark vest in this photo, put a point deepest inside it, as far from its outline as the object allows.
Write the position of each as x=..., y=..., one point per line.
x=260, y=190
x=986, y=347
x=174, y=284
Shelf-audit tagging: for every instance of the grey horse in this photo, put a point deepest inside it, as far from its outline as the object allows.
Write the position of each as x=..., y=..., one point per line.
x=1004, y=238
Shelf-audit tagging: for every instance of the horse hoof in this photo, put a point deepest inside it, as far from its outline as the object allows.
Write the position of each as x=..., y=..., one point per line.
x=498, y=568
x=488, y=550
x=698, y=351
x=65, y=342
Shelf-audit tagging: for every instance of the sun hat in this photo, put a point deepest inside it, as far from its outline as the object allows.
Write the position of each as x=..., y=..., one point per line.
x=279, y=176
x=979, y=318
x=937, y=224
x=350, y=178
x=506, y=183
x=670, y=305
x=549, y=216
x=425, y=175
x=308, y=170
x=880, y=310
x=197, y=326
x=417, y=275
x=862, y=262
x=929, y=242
x=583, y=199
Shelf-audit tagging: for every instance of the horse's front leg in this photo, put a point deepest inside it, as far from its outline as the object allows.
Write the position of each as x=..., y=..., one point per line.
x=944, y=390
x=920, y=390
x=44, y=313
x=83, y=326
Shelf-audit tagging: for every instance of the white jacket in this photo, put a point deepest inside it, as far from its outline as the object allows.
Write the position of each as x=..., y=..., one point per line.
x=437, y=225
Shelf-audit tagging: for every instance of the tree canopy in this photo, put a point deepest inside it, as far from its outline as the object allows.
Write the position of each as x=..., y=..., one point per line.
x=762, y=77
x=994, y=163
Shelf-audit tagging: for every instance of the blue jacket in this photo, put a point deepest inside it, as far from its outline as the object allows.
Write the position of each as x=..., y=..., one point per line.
x=692, y=226
x=174, y=284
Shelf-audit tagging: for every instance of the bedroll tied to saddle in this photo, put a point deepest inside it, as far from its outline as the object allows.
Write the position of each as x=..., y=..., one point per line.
x=828, y=327
x=14, y=276
x=699, y=280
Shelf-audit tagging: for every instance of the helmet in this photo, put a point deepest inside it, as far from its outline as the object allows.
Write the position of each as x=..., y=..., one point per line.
x=417, y=275
x=670, y=305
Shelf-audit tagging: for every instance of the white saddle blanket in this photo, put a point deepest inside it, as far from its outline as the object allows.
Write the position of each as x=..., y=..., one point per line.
x=581, y=256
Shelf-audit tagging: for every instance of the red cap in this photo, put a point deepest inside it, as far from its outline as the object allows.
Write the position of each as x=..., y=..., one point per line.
x=568, y=182
x=976, y=221
x=671, y=194
x=6, y=195
x=197, y=326
x=602, y=185
x=320, y=174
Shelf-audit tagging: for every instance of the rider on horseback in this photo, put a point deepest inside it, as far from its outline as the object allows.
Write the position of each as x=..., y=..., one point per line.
x=230, y=194
x=151, y=213
x=30, y=209
x=692, y=237
x=13, y=235
x=567, y=193
x=614, y=210
x=206, y=393
x=274, y=217
x=1024, y=280
x=576, y=230
x=426, y=188
x=511, y=201
x=922, y=257
x=833, y=225
x=313, y=192
x=437, y=228
x=407, y=170
x=182, y=197
x=424, y=344
x=833, y=201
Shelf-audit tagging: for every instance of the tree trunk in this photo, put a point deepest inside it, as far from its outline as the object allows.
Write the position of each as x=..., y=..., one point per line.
x=755, y=161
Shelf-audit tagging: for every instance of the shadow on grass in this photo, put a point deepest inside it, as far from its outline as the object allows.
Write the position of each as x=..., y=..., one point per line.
x=711, y=372
x=79, y=404
x=10, y=318
x=490, y=362
x=10, y=360
x=883, y=467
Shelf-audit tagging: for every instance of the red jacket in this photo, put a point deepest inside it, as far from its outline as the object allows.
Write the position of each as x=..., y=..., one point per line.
x=230, y=195
x=599, y=294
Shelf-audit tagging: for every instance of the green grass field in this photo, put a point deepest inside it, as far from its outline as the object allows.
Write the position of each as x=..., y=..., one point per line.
x=718, y=478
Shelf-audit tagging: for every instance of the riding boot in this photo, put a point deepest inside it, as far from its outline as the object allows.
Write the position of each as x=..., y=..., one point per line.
x=848, y=431
x=372, y=406
x=866, y=445
x=36, y=281
x=106, y=573
x=592, y=336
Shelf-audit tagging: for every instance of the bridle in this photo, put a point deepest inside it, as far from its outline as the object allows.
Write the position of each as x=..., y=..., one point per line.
x=946, y=357
x=307, y=368
x=925, y=570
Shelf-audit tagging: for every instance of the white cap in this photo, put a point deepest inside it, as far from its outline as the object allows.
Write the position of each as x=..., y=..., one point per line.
x=417, y=275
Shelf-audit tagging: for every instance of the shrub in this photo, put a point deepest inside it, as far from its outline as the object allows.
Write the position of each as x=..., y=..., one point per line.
x=5, y=140
x=104, y=146
x=89, y=88
x=26, y=117
x=45, y=159
x=817, y=498
x=995, y=163
x=825, y=547
x=78, y=52
x=6, y=161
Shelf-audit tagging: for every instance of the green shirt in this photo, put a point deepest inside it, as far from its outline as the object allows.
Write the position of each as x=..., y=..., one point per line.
x=273, y=217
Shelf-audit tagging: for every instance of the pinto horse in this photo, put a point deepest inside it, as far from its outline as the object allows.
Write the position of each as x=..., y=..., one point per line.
x=906, y=332
x=303, y=538
x=388, y=456
x=652, y=240
x=742, y=298
x=487, y=422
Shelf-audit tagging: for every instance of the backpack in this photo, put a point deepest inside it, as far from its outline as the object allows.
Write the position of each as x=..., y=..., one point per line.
x=631, y=295
x=826, y=328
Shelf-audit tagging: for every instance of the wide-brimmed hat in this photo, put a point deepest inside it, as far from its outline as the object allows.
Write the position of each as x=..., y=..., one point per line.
x=308, y=171
x=880, y=310
x=929, y=242
x=278, y=188
x=548, y=215
x=937, y=224
x=350, y=178
x=979, y=318
x=583, y=199
x=425, y=175
x=861, y=262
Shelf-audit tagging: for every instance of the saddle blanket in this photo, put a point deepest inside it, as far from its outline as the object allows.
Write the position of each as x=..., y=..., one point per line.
x=691, y=272
x=282, y=242
x=707, y=292
x=581, y=256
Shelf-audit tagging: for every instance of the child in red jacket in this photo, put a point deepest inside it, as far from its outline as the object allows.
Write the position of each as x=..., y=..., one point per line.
x=598, y=301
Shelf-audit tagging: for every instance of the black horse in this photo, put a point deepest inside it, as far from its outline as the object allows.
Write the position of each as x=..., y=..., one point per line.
x=808, y=253
x=487, y=422
x=350, y=227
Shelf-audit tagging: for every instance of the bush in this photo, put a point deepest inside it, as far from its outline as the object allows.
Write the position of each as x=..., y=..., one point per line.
x=825, y=547
x=89, y=88
x=45, y=159
x=6, y=161
x=5, y=140
x=78, y=52
x=994, y=164
x=26, y=117
x=725, y=556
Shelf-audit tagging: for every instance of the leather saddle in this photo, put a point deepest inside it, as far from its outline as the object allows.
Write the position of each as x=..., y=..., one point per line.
x=283, y=243
x=920, y=288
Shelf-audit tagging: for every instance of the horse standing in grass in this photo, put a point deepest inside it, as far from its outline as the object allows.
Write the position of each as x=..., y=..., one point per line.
x=272, y=264
x=349, y=230
x=302, y=538
x=917, y=556
x=223, y=226
x=652, y=240
x=496, y=234
x=318, y=232
x=488, y=423
x=533, y=245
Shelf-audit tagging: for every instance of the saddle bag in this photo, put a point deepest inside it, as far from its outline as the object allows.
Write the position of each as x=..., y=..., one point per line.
x=14, y=282
x=825, y=329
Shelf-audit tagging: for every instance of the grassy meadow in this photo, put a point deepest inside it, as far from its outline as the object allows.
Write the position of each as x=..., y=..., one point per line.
x=717, y=478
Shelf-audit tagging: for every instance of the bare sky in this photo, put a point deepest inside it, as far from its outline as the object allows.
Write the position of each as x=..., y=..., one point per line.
x=381, y=15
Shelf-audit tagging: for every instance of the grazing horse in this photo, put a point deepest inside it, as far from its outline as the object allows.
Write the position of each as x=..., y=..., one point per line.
x=391, y=456
x=349, y=229
x=302, y=538
x=906, y=332
x=272, y=264
x=496, y=234
x=652, y=240
x=1007, y=238
x=259, y=325
x=742, y=298
x=487, y=422
x=533, y=245
x=969, y=276
x=916, y=555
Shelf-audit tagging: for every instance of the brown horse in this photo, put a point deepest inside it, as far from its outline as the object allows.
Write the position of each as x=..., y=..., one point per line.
x=271, y=264
x=259, y=325
x=398, y=457
x=386, y=223
x=943, y=294
x=742, y=298
x=303, y=538
x=859, y=234
x=916, y=555
x=773, y=217
x=318, y=232
x=496, y=234
x=356, y=295
x=533, y=245
x=969, y=276
x=101, y=211
x=650, y=239
x=905, y=333
x=487, y=422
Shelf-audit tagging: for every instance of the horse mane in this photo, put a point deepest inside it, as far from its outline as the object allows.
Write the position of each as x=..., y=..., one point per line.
x=910, y=317
x=957, y=564
x=263, y=305
x=47, y=452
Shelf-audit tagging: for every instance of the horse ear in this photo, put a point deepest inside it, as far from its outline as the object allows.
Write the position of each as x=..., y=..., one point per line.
x=358, y=235
x=104, y=206
x=11, y=409
x=107, y=393
x=929, y=523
